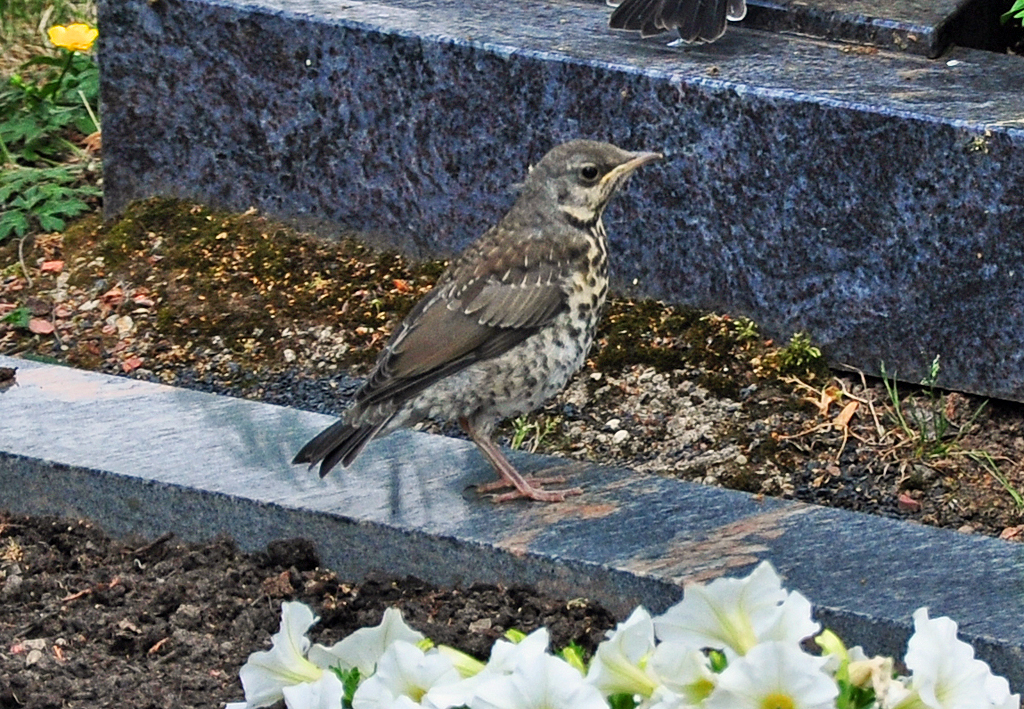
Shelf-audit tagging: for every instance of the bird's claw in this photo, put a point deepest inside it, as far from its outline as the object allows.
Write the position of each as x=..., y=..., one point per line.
x=530, y=491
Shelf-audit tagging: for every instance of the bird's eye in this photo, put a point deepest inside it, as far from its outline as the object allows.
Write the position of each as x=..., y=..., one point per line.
x=589, y=173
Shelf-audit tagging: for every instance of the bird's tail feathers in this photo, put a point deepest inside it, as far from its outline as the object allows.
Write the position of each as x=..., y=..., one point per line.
x=342, y=442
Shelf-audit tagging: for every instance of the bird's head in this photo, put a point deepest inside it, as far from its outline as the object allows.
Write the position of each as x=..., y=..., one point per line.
x=578, y=178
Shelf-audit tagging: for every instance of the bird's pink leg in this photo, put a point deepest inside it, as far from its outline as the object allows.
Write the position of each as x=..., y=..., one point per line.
x=510, y=476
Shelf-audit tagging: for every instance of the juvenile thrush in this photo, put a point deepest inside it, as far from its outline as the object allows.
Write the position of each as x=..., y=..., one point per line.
x=698, y=21
x=506, y=325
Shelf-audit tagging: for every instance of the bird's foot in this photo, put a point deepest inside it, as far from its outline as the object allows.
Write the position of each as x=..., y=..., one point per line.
x=530, y=480
x=528, y=489
x=525, y=487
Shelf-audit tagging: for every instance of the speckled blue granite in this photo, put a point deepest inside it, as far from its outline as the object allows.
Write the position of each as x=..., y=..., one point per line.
x=148, y=459
x=875, y=201
x=917, y=26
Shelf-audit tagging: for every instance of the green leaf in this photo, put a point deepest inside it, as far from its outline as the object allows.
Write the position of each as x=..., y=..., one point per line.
x=831, y=644
x=48, y=222
x=851, y=697
x=12, y=223
x=18, y=317
x=515, y=635
x=85, y=125
x=45, y=359
x=42, y=198
x=1017, y=11
x=350, y=681
x=35, y=121
x=622, y=701
x=44, y=60
x=573, y=654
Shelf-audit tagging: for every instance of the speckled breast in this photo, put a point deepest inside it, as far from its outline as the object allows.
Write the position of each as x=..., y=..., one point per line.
x=529, y=374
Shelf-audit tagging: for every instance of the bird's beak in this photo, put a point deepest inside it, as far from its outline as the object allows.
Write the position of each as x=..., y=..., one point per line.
x=629, y=166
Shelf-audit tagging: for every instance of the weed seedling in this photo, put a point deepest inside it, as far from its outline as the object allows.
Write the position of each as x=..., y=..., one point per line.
x=541, y=428
x=924, y=419
x=925, y=422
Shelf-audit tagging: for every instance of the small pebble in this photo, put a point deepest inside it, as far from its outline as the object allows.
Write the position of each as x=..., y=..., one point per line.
x=124, y=325
x=12, y=586
x=480, y=626
x=614, y=424
x=289, y=356
x=620, y=437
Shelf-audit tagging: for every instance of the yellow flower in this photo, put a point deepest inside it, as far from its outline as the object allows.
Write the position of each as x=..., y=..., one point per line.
x=77, y=37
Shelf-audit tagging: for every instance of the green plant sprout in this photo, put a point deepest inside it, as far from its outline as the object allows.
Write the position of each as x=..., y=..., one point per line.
x=19, y=317
x=933, y=434
x=985, y=460
x=926, y=423
x=1015, y=12
x=522, y=427
x=746, y=329
x=799, y=353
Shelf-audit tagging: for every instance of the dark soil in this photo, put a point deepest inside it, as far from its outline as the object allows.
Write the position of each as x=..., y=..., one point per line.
x=90, y=621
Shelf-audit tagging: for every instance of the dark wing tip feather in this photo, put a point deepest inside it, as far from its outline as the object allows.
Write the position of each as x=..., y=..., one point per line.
x=637, y=15
x=697, y=21
x=340, y=442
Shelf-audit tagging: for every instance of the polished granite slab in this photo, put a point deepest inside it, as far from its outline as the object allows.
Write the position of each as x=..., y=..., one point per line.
x=872, y=200
x=916, y=26
x=145, y=458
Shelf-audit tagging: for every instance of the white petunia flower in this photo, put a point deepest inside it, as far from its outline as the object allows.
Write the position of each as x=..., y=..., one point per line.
x=325, y=693
x=404, y=670
x=620, y=663
x=268, y=672
x=364, y=648
x=664, y=698
x=734, y=615
x=505, y=657
x=945, y=673
x=774, y=675
x=684, y=672
x=539, y=682
x=793, y=623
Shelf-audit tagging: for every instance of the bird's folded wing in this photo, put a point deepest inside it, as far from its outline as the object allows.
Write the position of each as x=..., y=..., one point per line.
x=471, y=317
